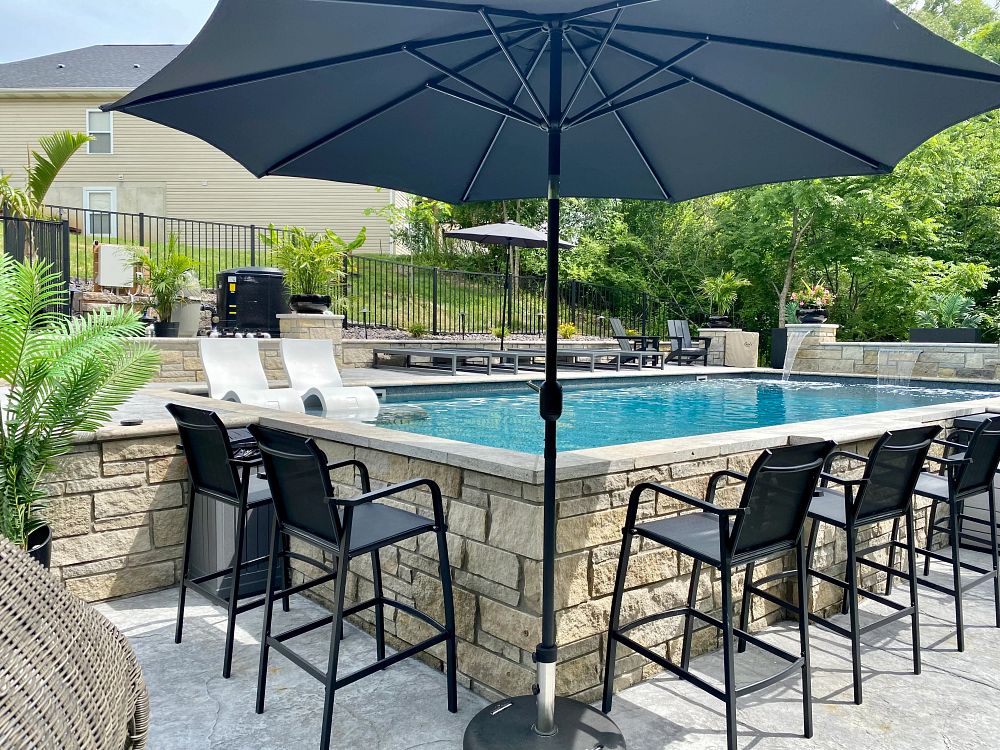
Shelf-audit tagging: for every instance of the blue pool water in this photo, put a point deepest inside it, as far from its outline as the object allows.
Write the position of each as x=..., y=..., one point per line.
x=597, y=416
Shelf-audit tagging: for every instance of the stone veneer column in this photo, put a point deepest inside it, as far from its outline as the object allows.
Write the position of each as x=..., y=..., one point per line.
x=325, y=326
x=818, y=333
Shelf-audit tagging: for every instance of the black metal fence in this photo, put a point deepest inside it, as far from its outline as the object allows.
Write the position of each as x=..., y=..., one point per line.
x=378, y=292
x=45, y=240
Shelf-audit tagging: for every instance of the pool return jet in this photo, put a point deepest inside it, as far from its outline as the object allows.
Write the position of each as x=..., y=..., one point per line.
x=656, y=99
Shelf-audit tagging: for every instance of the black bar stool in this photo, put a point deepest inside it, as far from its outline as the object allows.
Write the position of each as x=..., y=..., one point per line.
x=220, y=472
x=883, y=493
x=968, y=471
x=768, y=523
x=307, y=509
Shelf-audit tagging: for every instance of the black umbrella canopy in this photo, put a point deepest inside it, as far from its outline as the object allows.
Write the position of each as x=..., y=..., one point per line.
x=686, y=98
x=660, y=99
x=508, y=233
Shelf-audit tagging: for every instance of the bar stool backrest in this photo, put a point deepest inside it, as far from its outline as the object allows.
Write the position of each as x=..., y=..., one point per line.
x=208, y=452
x=893, y=467
x=300, y=485
x=984, y=450
x=776, y=498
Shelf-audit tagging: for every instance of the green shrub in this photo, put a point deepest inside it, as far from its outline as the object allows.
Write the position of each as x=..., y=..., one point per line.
x=498, y=331
x=953, y=310
x=417, y=330
x=567, y=331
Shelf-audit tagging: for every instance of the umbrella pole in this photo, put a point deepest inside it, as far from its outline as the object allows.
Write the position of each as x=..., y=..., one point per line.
x=505, y=305
x=546, y=721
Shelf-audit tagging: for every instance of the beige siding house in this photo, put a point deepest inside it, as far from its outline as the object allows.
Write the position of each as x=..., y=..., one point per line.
x=138, y=166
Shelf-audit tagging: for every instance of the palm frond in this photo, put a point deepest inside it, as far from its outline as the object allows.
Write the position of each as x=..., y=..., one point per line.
x=57, y=149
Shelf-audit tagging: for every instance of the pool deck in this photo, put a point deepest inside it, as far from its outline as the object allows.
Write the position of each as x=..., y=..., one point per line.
x=953, y=705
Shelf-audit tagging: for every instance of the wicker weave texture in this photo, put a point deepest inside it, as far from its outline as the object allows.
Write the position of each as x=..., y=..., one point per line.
x=68, y=677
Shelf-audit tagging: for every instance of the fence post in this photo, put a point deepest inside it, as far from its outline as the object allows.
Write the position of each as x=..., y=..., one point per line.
x=253, y=245
x=142, y=229
x=434, y=298
x=574, y=294
x=645, y=311
x=64, y=225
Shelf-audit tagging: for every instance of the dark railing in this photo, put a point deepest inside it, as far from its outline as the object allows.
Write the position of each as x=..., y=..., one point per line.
x=44, y=240
x=378, y=292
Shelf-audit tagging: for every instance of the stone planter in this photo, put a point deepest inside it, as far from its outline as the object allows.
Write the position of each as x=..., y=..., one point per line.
x=944, y=335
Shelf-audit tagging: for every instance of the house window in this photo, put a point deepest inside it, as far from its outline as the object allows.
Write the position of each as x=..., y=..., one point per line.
x=99, y=128
x=99, y=205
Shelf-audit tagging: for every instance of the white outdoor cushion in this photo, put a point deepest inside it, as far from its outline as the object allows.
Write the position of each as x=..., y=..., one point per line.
x=312, y=372
x=234, y=373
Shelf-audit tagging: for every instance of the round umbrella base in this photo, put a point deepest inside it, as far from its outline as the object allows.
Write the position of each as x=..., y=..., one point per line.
x=580, y=727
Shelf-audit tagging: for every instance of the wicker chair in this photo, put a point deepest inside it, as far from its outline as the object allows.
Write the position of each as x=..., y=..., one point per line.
x=68, y=677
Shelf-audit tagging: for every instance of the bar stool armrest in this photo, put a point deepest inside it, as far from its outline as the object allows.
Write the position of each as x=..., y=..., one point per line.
x=366, y=484
x=686, y=499
x=713, y=481
x=842, y=454
x=391, y=489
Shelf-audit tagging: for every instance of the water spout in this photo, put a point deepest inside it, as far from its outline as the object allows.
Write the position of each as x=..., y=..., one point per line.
x=895, y=366
x=793, y=342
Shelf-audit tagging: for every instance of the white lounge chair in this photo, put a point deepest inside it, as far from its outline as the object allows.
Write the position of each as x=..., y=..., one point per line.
x=234, y=373
x=312, y=373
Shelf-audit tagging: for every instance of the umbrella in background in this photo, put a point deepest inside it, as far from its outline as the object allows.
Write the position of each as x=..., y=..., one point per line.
x=512, y=235
x=466, y=100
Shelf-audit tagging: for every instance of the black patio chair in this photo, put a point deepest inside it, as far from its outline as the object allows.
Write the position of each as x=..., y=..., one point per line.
x=307, y=508
x=682, y=344
x=632, y=342
x=220, y=470
x=883, y=493
x=768, y=523
x=966, y=472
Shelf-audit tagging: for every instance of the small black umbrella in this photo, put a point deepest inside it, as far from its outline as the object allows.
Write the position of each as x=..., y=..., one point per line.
x=466, y=100
x=512, y=235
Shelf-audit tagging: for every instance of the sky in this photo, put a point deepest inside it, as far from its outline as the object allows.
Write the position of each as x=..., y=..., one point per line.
x=47, y=26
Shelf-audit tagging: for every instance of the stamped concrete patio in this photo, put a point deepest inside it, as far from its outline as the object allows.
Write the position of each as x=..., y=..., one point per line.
x=953, y=705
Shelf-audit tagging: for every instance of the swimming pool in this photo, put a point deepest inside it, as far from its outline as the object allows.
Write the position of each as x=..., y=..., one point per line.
x=507, y=417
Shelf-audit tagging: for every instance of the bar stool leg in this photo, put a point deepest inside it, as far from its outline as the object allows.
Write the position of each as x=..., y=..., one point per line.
x=234, y=592
x=745, y=606
x=911, y=563
x=956, y=570
x=930, y=536
x=851, y=598
x=185, y=566
x=336, y=634
x=268, y=610
x=287, y=570
x=729, y=661
x=379, y=608
x=615, y=619
x=802, y=561
x=893, y=537
x=996, y=554
x=688, y=617
x=444, y=567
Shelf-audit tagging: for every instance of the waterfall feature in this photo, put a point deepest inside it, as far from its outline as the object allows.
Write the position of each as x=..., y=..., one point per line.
x=895, y=365
x=793, y=341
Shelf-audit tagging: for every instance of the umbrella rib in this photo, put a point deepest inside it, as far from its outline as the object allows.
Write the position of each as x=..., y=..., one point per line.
x=610, y=109
x=752, y=105
x=627, y=130
x=368, y=116
x=329, y=62
x=887, y=62
x=513, y=63
x=522, y=114
x=496, y=109
x=589, y=67
x=499, y=130
x=608, y=101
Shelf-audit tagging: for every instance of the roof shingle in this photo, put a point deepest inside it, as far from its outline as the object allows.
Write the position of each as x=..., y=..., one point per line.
x=112, y=66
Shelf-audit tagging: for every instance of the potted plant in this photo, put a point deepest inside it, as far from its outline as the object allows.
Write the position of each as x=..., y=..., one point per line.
x=313, y=262
x=949, y=318
x=61, y=376
x=166, y=279
x=721, y=292
x=812, y=300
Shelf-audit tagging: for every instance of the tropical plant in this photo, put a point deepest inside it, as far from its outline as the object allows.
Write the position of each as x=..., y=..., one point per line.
x=953, y=310
x=166, y=277
x=16, y=202
x=721, y=291
x=43, y=168
x=566, y=330
x=63, y=375
x=813, y=296
x=312, y=261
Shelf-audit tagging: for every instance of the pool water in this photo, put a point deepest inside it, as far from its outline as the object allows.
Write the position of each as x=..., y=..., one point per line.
x=598, y=416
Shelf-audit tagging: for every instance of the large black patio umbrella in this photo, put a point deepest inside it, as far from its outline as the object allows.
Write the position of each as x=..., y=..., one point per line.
x=466, y=100
x=511, y=234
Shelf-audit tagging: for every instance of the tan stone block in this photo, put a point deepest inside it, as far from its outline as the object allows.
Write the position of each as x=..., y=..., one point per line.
x=145, y=447
x=467, y=521
x=118, y=468
x=169, y=526
x=490, y=562
x=427, y=597
x=168, y=357
x=589, y=530
x=138, y=500
x=121, y=522
x=448, y=478
x=579, y=674
x=122, y=583
x=516, y=526
x=93, y=568
x=75, y=467
x=487, y=587
x=604, y=483
x=69, y=516
x=99, y=546
x=387, y=467
x=587, y=619
x=696, y=468
x=494, y=671
x=572, y=581
x=644, y=568
x=510, y=625
x=103, y=483
x=170, y=469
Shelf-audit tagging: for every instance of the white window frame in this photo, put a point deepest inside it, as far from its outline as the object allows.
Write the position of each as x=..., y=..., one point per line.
x=88, y=212
x=110, y=131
